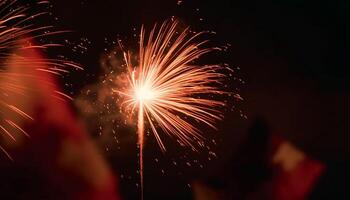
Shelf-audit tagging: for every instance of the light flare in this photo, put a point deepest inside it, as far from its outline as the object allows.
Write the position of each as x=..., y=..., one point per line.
x=144, y=94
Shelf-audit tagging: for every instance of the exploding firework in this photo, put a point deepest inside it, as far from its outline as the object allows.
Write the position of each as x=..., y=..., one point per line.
x=168, y=90
x=16, y=34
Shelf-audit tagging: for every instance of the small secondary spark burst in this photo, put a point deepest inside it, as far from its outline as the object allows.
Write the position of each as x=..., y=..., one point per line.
x=17, y=33
x=168, y=90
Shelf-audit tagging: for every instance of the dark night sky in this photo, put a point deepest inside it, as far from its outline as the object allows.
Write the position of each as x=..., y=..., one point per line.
x=293, y=56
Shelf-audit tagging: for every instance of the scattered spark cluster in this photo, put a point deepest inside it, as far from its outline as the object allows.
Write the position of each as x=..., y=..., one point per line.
x=168, y=90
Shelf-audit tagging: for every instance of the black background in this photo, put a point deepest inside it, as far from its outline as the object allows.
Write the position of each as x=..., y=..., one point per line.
x=293, y=57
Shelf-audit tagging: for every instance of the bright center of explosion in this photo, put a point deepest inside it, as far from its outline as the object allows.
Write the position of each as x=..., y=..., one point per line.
x=144, y=94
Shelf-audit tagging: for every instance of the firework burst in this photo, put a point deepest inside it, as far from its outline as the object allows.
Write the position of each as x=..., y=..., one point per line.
x=168, y=90
x=16, y=34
